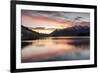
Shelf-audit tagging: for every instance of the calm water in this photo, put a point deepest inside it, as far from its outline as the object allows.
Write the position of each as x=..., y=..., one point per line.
x=56, y=49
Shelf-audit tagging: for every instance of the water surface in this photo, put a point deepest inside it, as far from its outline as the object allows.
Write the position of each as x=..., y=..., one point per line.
x=55, y=49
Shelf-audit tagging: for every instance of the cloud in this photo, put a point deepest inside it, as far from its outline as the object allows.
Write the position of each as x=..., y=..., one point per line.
x=59, y=16
x=54, y=19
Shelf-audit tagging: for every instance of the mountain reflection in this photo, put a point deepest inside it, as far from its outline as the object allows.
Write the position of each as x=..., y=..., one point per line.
x=56, y=49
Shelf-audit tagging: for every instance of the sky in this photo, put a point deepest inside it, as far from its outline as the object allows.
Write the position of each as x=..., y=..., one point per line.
x=48, y=21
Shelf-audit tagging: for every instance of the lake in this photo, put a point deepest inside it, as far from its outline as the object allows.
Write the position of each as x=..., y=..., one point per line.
x=55, y=49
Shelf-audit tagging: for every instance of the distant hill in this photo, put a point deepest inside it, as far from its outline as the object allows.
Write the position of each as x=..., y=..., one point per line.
x=72, y=31
x=82, y=23
x=28, y=34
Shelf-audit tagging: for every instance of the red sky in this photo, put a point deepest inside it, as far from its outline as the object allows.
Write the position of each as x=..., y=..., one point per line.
x=28, y=20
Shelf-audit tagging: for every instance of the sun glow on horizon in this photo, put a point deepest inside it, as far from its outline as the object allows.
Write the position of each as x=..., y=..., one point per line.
x=44, y=31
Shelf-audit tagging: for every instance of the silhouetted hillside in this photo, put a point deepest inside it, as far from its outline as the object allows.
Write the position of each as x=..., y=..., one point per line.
x=72, y=31
x=28, y=34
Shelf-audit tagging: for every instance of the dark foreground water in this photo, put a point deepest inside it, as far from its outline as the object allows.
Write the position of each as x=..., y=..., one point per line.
x=55, y=49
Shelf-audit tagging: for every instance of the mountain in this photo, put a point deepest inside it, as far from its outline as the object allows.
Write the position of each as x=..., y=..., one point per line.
x=27, y=34
x=83, y=23
x=72, y=31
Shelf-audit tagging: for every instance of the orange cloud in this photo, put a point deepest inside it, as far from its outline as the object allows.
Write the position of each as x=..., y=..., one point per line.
x=40, y=19
x=44, y=19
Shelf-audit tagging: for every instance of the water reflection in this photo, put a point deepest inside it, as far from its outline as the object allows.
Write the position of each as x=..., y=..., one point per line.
x=56, y=49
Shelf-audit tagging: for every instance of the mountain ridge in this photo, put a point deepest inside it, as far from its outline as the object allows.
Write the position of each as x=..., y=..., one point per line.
x=72, y=31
